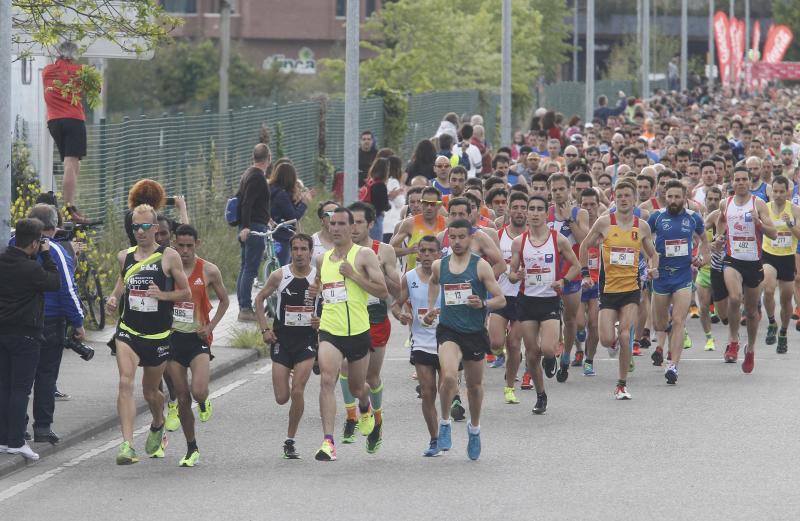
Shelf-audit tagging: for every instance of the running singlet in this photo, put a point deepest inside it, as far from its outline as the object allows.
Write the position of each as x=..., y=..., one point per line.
x=444, y=190
x=564, y=229
x=620, y=257
x=743, y=239
x=295, y=308
x=319, y=248
x=188, y=317
x=423, y=338
x=419, y=231
x=344, y=308
x=378, y=309
x=674, y=239
x=144, y=316
x=761, y=192
x=785, y=243
x=540, y=263
x=509, y=289
x=455, y=288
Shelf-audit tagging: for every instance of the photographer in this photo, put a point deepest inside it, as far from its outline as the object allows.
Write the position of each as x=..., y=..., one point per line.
x=23, y=282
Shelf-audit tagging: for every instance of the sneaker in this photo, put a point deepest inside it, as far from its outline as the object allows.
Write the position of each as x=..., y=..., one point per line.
x=172, y=422
x=126, y=454
x=749, y=361
x=289, y=452
x=366, y=422
x=658, y=356
x=191, y=460
x=156, y=443
x=637, y=348
x=613, y=351
x=327, y=452
x=772, y=334
x=644, y=342
x=77, y=217
x=418, y=390
x=25, y=451
x=578, y=361
x=710, y=345
x=490, y=358
x=457, y=411
x=621, y=392
x=694, y=311
x=796, y=314
x=782, y=345
x=588, y=369
x=580, y=335
x=205, y=415
x=527, y=382
x=433, y=449
x=563, y=369
x=61, y=397
x=511, y=398
x=687, y=340
x=646, y=334
x=473, y=445
x=3, y=449
x=375, y=439
x=671, y=374
x=499, y=362
x=541, y=404
x=349, y=435
x=549, y=366
x=714, y=317
x=246, y=315
x=444, y=442
x=731, y=353
x=46, y=436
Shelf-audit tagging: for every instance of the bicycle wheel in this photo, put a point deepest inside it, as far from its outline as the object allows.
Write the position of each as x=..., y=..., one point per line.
x=92, y=300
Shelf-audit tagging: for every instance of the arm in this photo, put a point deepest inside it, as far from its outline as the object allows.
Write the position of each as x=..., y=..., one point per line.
x=767, y=226
x=116, y=293
x=380, y=197
x=433, y=293
x=46, y=277
x=68, y=294
x=283, y=209
x=214, y=281
x=514, y=272
x=487, y=277
x=493, y=255
x=389, y=262
x=397, y=306
x=649, y=249
x=580, y=227
x=180, y=204
x=403, y=232
x=372, y=280
x=273, y=281
x=795, y=229
x=171, y=264
x=596, y=233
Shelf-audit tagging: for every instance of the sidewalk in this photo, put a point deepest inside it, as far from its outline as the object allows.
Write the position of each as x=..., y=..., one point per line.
x=92, y=387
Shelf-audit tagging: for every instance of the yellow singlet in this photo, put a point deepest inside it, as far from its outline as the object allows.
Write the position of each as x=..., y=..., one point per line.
x=785, y=243
x=621, y=257
x=344, y=308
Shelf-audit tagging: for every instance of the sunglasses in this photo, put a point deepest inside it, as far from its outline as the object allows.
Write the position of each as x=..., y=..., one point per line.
x=443, y=165
x=431, y=203
x=327, y=214
x=144, y=226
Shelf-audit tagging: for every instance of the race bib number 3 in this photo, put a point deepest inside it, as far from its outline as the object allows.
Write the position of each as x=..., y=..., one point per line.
x=334, y=292
x=456, y=294
x=744, y=245
x=421, y=312
x=539, y=276
x=676, y=248
x=139, y=301
x=622, y=256
x=298, y=316
x=783, y=240
x=183, y=312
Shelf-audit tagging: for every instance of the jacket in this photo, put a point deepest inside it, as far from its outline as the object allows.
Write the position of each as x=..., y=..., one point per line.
x=253, y=198
x=284, y=209
x=23, y=282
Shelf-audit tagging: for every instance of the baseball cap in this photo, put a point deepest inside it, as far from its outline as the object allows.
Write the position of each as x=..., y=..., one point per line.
x=603, y=148
x=576, y=138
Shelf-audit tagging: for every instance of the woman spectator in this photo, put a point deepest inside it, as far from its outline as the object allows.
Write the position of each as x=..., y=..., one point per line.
x=549, y=125
x=286, y=203
x=422, y=161
x=397, y=197
x=147, y=191
x=378, y=195
x=519, y=141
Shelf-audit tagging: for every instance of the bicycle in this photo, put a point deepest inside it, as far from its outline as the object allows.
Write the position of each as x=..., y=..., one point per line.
x=87, y=278
x=271, y=262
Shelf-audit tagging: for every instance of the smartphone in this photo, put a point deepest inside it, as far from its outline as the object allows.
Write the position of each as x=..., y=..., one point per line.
x=170, y=201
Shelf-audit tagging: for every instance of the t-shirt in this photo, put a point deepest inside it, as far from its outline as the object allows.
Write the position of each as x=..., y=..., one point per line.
x=674, y=235
x=59, y=107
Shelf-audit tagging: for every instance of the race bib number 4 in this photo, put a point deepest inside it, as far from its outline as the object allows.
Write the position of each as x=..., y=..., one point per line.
x=744, y=245
x=676, y=248
x=622, y=256
x=783, y=240
x=456, y=294
x=183, y=312
x=539, y=276
x=298, y=316
x=334, y=292
x=139, y=301
x=421, y=312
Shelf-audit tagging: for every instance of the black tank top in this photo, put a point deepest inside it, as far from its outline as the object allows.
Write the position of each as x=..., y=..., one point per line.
x=294, y=306
x=146, y=315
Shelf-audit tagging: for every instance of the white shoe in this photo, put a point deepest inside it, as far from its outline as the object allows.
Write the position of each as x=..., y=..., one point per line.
x=25, y=451
x=3, y=449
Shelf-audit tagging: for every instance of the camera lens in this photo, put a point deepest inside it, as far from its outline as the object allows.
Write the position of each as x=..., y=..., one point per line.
x=81, y=349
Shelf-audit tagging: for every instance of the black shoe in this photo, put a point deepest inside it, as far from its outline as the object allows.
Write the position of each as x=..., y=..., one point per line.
x=657, y=357
x=457, y=411
x=419, y=391
x=50, y=437
x=375, y=438
x=563, y=373
x=349, y=435
x=549, y=366
x=315, y=367
x=61, y=396
x=289, y=451
x=644, y=342
x=541, y=403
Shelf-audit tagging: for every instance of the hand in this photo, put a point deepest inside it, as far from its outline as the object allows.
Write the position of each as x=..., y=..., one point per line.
x=307, y=196
x=268, y=336
x=652, y=273
x=413, y=250
x=558, y=286
x=79, y=333
x=204, y=331
x=180, y=202
x=430, y=316
x=155, y=292
x=77, y=246
x=315, y=320
x=394, y=193
x=698, y=261
x=111, y=304
x=45, y=244
x=243, y=234
x=313, y=290
x=563, y=211
x=474, y=301
x=587, y=282
x=346, y=269
x=401, y=315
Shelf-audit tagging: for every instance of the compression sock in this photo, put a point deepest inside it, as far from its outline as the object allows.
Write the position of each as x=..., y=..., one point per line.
x=349, y=399
x=783, y=331
x=376, y=397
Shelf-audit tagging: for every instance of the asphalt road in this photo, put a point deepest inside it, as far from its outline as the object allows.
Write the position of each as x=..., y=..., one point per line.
x=719, y=445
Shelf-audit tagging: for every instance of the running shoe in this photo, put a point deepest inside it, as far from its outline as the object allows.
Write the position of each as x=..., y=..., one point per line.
x=473, y=444
x=637, y=348
x=366, y=422
x=563, y=369
x=62, y=397
x=433, y=449
x=621, y=392
x=658, y=356
x=613, y=351
x=205, y=415
x=646, y=334
x=194, y=458
x=796, y=314
x=418, y=390
x=578, y=361
x=749, y=360
x=499, y=362
x=527, y=382
x=687, y=340
x=172, y=421
x=714, y=317
x=694, y=311
x=490, y=358
x=315, y=367
x=782, y=345
x=580, y=336
x=588, y=369
x=457, y=411
x=772, y=334
x=511, y=398
x=349, y=435
x=445, y=443
x=327, y=452
x=156, y=443
x=710, y=345
x=289, y=452
x=671, y=374
x=731, y=353
x=549, y=366
x=644, y=342
x=631, y=366
x=375, y=439
x=541, y=404
x=126, y=454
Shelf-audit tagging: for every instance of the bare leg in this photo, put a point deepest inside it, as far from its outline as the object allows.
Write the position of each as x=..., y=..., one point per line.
x=449, y=358
x=180, y=380
x=127, y=361
x=330, y=360
x=72, y=167
x=473, y=373
x=427, y=381
x=733, y=282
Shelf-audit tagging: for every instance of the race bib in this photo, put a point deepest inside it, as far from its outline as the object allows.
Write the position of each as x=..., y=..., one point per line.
x=183, y=312
x=744, y=245
x=676, y=248
x=139, y=301
x=456, y=294
x=298, y=316
x=334, y=292
x=372, y=300
x=594, y=262
x=783, y=240
x=421, y=312
x=539, y=276
x=622, y=256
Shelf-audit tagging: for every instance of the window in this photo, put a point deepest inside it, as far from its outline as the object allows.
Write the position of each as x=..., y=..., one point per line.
x=180, y=6
x=341, y=8
x=370, y=8
x=216, y=6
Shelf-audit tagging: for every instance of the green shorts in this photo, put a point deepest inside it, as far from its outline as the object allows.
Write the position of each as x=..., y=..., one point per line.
x=703, y=279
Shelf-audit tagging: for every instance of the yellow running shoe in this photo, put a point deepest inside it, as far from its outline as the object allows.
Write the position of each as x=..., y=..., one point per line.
x=205, y=415
x=327, y=452
x=126, y=454
x=710, y=345
x=366, y=422
x=156, y=443
x=191, y=460
x=173, y=421
x=511, y=398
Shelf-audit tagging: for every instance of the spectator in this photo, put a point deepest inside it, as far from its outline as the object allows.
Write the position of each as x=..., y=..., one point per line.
x=672, y=74
x=479, y=140
x=441, y=183
x=397, y=197
x=549, y=125
x=254, y=214
x=422, y=161
x=287, y=202
x=147, y=191
x=518, y=142
x=378, y=195
x=602, y=112
x=449, y=125
x=367, y=151
x=23, y=282
x=470, y=156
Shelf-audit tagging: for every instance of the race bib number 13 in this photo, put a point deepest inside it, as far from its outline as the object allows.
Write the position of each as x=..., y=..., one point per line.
x=456, y=294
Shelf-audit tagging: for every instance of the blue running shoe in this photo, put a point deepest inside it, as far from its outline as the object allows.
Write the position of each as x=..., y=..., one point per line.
x=473, y=445
x=433, y=449
x=445, y=443
x=499, y=362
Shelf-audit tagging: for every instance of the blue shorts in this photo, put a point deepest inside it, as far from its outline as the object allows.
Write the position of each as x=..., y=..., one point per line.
x=571, y=287
x=667, y=285
x=592, y=293
x=510, y=311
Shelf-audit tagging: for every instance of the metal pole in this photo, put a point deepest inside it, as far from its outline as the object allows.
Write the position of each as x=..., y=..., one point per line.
x=639, y=22
x=732, y=8
x=589, y=112
x=575, y=41
x=505, y=82
x=5, y=122
x=224, y=53
x=645, y=48
x=351, y=108
x=710, y=45
x=746, y=27
x=684, y=44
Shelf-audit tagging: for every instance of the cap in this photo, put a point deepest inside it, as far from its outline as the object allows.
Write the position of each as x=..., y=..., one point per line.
x=603, y=148
x=589, y=125
x=576, y=138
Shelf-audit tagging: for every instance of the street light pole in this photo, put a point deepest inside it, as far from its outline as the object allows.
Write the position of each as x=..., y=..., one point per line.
x=351, y=108
x=5, y=122
x=684, y=44
x=224, y=53
x=505, y=83
x=589, y=112
x=710, y=46
x=645, y=49
x=575, y=41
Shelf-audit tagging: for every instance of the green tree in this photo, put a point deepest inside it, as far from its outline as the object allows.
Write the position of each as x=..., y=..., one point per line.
x=787, y=12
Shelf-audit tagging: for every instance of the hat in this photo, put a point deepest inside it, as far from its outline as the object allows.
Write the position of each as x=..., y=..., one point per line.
x=541, y=111
x=603, y=148
x=797, y=128
x=576, y=138
x=589, y=125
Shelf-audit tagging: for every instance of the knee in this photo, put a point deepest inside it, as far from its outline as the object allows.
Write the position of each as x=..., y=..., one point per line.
x=474, y=387
x=752, y=314
x=281, y=397
x=449, y=380
x=200, y=392
x=151, y=394
x=327, y=381
x=297, y=394
x=374, y=381
x=125, y=384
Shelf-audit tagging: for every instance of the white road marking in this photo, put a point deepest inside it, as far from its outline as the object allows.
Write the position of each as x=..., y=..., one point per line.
x=263, y=370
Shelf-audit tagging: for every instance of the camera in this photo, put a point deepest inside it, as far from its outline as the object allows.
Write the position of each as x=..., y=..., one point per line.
x=82, y=350
x=170, y=201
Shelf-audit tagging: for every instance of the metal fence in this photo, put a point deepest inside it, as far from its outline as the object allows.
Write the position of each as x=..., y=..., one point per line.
x=569, y=97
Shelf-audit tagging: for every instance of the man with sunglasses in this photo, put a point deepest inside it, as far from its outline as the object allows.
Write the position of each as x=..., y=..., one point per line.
x=322, y=239
x=441, y=167
x=413, y=228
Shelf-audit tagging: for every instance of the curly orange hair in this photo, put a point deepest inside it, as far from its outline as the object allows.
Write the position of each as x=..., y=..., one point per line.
x=147, y=191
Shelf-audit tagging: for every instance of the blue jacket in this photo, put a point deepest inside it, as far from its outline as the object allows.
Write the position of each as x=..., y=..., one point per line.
x=283, y=209
x=64, y=302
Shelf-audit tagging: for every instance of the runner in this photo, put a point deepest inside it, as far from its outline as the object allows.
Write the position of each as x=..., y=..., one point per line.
x=622, y=236
x=588, y=312
x=742, y=220
x=322, y=238
x=293, y=336
x=535, y=263
x=142, y=336
x=703, y=284
x=345, y=276
x=461, y=283
x=192, y=333
x=481, y=242
x=417, y=226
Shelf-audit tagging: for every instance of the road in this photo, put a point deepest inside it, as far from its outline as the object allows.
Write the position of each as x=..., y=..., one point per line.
x=719, y=445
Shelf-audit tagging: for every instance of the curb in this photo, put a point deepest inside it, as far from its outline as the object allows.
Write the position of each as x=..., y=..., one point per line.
x=10, y=465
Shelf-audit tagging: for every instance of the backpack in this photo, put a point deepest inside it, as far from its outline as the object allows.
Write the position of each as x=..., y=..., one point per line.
x=232, y=211
x=365, y=192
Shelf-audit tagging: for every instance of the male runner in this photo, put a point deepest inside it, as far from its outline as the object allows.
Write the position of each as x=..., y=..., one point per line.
x=588, y=312
x=481, y=242
x=142, y=336
x=461, y=283
x=703, y=284
x=742, y=221
x=192, y=333
x=345, y=276
x=536, y=264
x=322, y=238
x=417, y=226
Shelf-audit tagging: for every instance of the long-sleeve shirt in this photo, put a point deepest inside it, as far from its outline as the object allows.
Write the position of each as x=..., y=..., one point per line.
x=603, y=113
x=284, y=209
x=23, y=282
x=254, y=198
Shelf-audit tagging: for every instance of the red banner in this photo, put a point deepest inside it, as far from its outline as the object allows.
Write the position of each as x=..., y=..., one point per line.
x=736, y=32
x=778, y=41
x=722, y=39
x=776, y=71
